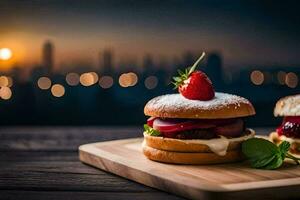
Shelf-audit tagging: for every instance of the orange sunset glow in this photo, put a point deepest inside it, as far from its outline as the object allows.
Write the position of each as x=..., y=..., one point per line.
x=5, y=54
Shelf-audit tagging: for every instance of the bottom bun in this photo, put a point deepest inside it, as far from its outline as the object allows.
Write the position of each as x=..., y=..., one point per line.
x=190, y=158
x=295, y=143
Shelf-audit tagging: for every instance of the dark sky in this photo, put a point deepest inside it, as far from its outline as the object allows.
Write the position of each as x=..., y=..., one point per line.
x=244, y=32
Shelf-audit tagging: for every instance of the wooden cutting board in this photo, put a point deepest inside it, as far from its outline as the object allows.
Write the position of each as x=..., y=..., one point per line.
x=226, y=181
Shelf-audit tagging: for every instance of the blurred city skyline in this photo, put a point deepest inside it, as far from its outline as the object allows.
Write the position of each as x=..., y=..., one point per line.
x=109, y=95
x=98, y=62
x=245, y=33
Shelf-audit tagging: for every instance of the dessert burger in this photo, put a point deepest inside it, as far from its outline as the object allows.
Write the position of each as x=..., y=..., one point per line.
x=196, y=125
x=289, y=130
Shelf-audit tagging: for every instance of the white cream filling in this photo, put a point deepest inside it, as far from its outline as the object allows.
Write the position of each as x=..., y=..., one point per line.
x=218, y=145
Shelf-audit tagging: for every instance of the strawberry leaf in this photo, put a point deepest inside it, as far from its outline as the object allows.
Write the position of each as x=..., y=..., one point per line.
x=177, y=79
x=180, y=72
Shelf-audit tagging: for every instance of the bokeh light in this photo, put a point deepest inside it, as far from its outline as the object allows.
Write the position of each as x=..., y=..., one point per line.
x=257, y=77
x=57, y=90
x=123, y=80
x=95, y=77
x=291, y=80
x=4, y=81
x=281, y=77
x=88, y=79
x=106, y=82
x=133, y=78
x=44, y=83
x=128, y=79
x=10, y=81
x=5, y=93
x=151, y=82
x=72, y=79
x=5, y=54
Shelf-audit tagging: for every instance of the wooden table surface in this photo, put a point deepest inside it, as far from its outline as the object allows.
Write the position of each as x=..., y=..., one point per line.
x=42, y=163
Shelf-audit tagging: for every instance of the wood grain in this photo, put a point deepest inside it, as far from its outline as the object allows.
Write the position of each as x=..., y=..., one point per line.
x=79, y=195
x=59, y=138
x=42, y=163
x=124, y=158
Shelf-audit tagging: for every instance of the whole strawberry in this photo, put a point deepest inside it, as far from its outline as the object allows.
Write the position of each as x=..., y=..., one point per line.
x=193, y=84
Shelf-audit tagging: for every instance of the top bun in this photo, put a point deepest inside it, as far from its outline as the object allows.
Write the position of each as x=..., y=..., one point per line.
x=222, y=106
x=288, y=106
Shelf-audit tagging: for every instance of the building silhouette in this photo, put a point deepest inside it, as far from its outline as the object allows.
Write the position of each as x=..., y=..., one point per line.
x=81, y=105
x=106, y=62
x=214, y=69
x=148, y=64
x=189, y=58
x=48, y=57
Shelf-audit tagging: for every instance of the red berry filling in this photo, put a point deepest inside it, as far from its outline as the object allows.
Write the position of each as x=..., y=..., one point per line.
x=290, y=127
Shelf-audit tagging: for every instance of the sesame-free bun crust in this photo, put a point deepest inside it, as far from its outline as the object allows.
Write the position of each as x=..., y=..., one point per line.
x=190, y=158
x=222, y=106
x=176, y=151
x=189, y=146
x=288, y=106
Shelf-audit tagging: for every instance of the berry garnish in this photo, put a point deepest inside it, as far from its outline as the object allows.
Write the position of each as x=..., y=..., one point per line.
x=289, y=129
x=193, y=84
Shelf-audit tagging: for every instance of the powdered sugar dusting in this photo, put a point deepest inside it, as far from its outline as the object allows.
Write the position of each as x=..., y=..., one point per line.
x=288, y=106
x=178, y=101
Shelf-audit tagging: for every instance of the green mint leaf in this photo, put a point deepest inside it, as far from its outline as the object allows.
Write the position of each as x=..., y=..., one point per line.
x=150, y=131
x=259, y=148
x=261, y=163
x=284, y=148
x=266, y=155
x=262, y=153
x=275, y=163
